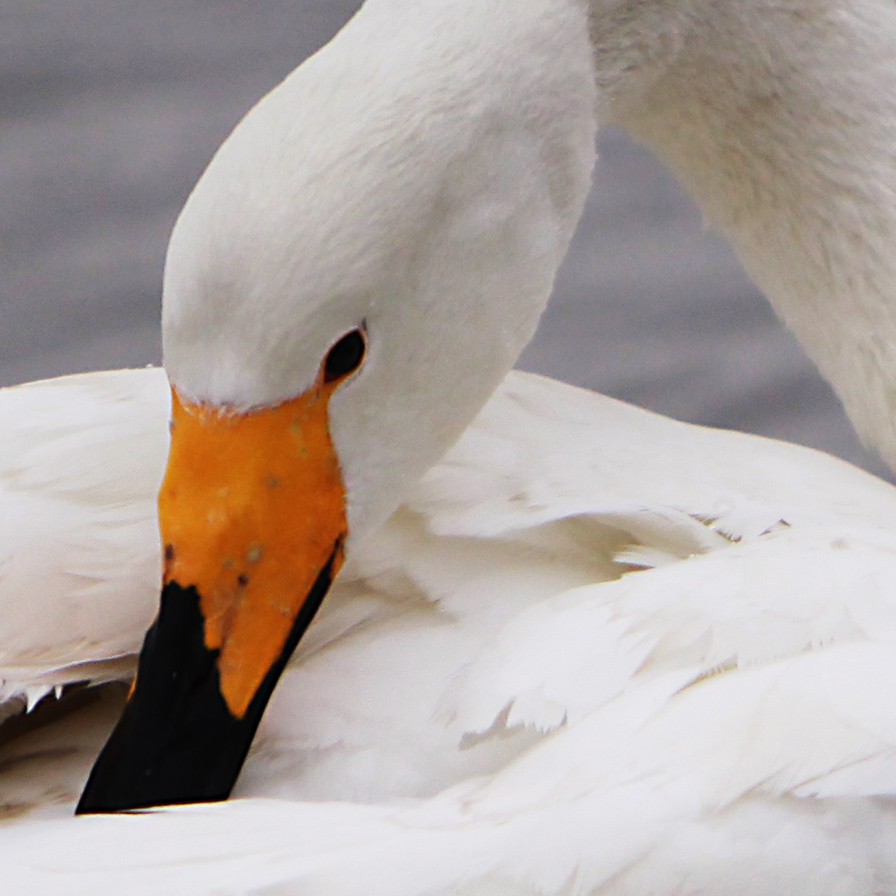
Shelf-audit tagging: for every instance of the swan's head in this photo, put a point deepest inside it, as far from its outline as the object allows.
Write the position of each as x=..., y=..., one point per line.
x=357, y=269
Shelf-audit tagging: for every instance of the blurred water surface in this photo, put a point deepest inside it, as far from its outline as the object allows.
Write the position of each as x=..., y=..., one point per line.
x=109, y=110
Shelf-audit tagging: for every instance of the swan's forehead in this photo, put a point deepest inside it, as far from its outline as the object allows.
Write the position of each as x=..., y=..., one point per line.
x=299, y=229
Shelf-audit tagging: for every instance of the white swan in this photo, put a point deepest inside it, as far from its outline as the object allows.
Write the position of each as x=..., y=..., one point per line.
x=718, y=723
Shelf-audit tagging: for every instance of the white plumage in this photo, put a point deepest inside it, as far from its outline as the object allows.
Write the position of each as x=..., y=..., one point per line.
x=535, y=677
x=593, y=651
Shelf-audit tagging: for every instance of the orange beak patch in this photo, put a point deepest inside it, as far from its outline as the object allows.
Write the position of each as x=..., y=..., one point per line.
x=250, y=509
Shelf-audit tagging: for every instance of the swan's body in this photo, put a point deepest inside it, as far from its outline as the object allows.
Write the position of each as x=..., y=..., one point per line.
x=592, y=651
x=629, y=670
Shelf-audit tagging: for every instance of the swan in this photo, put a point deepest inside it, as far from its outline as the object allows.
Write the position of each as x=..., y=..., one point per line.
x=558, y=659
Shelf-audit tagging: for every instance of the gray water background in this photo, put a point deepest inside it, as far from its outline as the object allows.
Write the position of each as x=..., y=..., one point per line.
x=110, y=109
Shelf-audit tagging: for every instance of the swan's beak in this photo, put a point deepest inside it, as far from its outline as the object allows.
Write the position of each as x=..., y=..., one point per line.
x=252, y=513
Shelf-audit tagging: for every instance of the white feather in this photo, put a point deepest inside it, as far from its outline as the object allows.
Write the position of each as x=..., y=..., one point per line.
x=592, y=651
x=521, y=712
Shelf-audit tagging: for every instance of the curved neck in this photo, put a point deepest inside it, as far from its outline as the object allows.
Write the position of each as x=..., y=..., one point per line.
x=780, y=117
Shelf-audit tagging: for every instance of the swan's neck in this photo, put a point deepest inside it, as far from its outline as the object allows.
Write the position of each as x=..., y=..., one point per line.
x=780, y=117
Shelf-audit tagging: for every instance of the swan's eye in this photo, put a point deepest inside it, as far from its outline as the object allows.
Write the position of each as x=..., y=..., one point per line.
x=345, y=356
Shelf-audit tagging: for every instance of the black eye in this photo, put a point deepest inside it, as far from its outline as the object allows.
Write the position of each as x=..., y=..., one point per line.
x=345, y=356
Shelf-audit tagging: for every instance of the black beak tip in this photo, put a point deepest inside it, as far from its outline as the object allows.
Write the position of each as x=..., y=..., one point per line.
x=167, y=745
x=177, y=741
